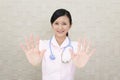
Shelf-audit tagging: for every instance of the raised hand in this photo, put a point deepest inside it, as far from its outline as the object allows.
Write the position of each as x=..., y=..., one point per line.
x=31, y=49
x=83, y=54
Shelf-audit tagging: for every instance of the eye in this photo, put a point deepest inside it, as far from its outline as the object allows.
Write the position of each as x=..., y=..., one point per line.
x=56, y=23
x=64, y=23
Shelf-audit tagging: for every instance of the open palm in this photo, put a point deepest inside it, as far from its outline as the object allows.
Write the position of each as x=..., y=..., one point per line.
x=31, y=49
x=83, y=54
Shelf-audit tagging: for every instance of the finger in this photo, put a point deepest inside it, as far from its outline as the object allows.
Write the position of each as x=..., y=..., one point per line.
x=23, y=48
x=31, y=41
x=79, y=46
x=43, y=52
x=87, y=47
x=37, y=42
x=27, y=43
x=92, y=52
x=84, y=45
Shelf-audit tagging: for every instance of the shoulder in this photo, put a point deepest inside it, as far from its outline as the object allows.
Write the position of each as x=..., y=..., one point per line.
x=43, y=42
x=74, y=45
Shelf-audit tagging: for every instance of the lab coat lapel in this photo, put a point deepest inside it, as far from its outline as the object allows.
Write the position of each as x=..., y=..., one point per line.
x=65, y=42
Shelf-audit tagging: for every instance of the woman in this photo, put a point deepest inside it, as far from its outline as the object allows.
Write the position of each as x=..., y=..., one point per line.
x=59, y=55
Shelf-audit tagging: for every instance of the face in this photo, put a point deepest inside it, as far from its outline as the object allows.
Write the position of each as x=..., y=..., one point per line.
x=61, y=26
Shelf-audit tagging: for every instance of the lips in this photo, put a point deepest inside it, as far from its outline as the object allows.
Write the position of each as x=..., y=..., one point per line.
x=60, y=32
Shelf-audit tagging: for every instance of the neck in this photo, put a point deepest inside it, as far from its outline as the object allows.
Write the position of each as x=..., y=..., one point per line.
x=60, y=39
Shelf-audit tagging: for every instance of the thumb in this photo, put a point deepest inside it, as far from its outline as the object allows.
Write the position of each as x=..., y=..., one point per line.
x=43, y=52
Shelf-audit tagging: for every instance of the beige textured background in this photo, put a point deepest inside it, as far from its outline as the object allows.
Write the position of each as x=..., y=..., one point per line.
x=98, y=20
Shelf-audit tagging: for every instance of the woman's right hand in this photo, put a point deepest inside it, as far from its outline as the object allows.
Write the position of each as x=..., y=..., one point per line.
x=31, y=49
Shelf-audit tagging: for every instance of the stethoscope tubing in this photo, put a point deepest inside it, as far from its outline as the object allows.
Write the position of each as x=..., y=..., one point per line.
x=52, y=57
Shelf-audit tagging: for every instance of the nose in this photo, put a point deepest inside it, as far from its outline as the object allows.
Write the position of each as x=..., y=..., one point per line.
x=60, y=26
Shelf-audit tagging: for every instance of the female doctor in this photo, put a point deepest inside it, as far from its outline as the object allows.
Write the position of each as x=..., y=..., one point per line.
x=59, y=55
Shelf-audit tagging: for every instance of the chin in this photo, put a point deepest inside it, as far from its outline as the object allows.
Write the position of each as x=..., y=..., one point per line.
x=61, y=35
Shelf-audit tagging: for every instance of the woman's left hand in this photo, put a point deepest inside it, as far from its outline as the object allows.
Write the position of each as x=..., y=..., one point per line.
x=83, y=54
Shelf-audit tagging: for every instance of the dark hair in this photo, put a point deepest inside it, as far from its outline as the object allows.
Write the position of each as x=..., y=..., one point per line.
x=61, y=12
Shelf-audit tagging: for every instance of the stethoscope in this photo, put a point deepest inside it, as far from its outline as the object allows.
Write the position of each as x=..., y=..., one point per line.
x=63, y=55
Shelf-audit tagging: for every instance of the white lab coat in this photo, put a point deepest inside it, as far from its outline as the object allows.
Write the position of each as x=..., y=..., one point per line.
x=55, y=69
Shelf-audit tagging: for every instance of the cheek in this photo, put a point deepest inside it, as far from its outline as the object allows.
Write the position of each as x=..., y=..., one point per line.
x=67, y=28
x=53, y=27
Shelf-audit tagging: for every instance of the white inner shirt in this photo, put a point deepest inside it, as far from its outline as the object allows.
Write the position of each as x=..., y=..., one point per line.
x=55, y=69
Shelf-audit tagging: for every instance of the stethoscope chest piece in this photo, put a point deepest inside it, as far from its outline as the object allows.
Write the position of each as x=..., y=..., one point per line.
x=52, y=57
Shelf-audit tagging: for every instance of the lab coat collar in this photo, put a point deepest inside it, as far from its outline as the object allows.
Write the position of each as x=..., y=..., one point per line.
x=54, y=42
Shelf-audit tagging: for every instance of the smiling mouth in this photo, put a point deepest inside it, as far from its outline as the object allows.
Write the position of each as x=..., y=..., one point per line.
x=60, y=32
